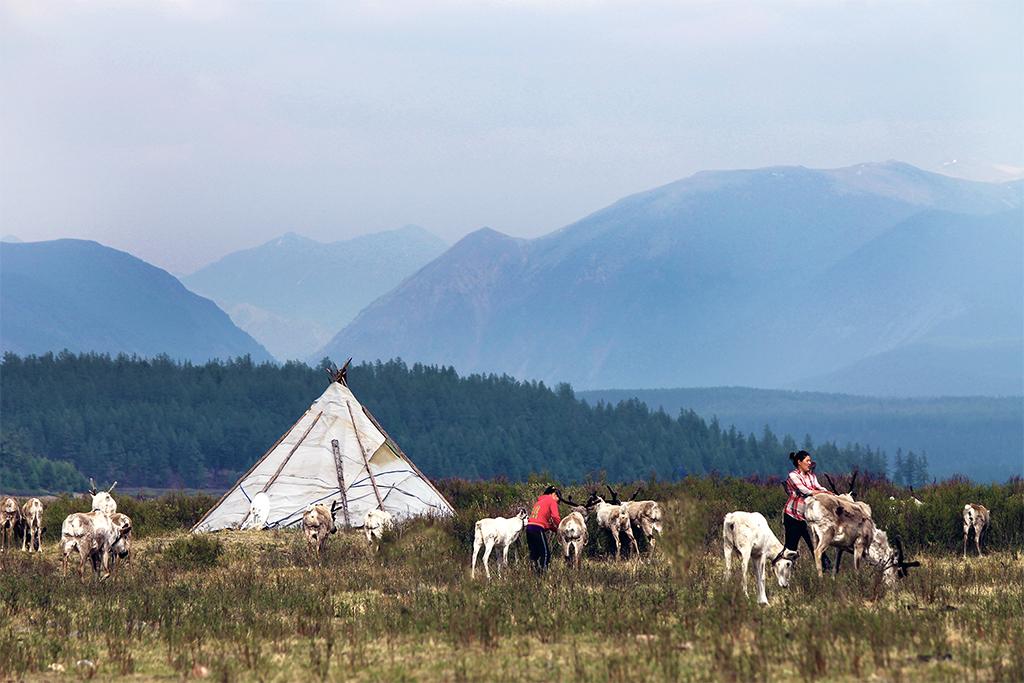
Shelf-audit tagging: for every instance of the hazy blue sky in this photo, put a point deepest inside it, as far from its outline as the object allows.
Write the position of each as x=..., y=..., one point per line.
x=181, y=131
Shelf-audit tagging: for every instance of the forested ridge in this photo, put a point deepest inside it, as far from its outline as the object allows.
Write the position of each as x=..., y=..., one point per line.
x=157, y=422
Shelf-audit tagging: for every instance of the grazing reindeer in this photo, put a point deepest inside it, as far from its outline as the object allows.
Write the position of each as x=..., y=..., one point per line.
x=837, y=521
x=496, y=531
x=976, y=517
x=121, y=549
x=615, y=518
x=572, y=532
x=92, y=535
x=102, y=500
x=888, y=558
x=317, y=525
x=375, y=524
x=32, y=525
x=10, y=519
x=644, y=515
x=748, y=535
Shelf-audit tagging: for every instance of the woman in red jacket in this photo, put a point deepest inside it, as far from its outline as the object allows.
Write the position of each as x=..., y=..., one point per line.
x=543, y=518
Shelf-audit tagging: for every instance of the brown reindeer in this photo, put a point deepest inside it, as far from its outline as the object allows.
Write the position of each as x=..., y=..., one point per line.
x=836, y=521
x=10, y=519
x=317, y=525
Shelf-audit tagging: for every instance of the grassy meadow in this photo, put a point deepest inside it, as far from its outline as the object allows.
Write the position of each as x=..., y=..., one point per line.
x=256, y=606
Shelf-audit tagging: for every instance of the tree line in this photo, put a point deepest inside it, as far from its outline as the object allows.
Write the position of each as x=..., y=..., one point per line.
x=161, y=423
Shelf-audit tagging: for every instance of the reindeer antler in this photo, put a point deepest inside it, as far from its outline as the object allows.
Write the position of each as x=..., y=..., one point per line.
x=636, y=493
x=92, y=486
x=112, y=486
x=615, y=496
x=853, y=481
x=831, y=484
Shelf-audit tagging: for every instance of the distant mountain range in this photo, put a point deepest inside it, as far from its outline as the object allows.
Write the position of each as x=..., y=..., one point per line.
x=876, y=278
x=83, y=296
x=978, y=437
x=293, y=293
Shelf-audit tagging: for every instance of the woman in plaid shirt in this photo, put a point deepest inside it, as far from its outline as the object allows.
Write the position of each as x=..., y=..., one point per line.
x=801, y=484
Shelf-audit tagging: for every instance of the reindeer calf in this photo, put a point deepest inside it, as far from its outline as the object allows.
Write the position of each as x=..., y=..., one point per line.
x=32, y=525
x=10, y=519
x=375, y=524
x=496, y=531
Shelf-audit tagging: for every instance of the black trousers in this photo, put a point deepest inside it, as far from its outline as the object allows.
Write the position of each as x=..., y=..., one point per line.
x=795, y=530
x=540, y=554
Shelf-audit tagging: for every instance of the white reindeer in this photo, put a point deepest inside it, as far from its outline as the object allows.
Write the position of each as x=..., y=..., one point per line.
x=496, y=531
x=32, y=525
x=614, y=518
x=572, y=533
x=748, y=535
x=976, y=517
x=375, y=524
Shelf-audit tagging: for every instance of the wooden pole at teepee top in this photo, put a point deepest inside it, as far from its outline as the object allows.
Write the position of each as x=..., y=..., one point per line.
x=376, y=491
x=341, y=480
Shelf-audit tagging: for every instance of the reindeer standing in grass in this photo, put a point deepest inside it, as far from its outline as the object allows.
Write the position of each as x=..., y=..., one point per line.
x=10, y=520
x=976, y=517
x=644, y=515
x=572, y=532
x=318, y=524
x=615, y=518
x=32, y=525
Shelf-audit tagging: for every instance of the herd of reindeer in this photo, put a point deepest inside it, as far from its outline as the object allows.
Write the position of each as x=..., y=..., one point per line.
x=103, y=537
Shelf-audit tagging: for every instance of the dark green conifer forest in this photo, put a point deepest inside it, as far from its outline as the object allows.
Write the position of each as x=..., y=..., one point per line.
x=159, y=423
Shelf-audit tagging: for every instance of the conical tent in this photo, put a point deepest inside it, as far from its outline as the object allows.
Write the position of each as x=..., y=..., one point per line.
x=337, y=451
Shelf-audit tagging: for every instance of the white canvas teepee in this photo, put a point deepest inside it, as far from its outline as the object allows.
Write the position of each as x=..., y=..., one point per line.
x=337, y=451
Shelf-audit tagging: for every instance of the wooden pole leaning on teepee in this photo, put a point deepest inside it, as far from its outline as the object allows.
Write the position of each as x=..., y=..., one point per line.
x=247, y=473
x=341, y=480
x=285, y=462
x=366, y=461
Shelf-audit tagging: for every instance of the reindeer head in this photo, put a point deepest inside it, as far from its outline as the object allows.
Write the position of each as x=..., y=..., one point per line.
x=523, y=515
x=102, y=500
x=10, y=506
x=782, y=565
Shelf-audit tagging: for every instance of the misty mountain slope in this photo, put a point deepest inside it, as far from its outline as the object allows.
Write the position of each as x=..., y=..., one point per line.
x=699, y=282
x=83, y=296
x=942, y=280
x=293, y=293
